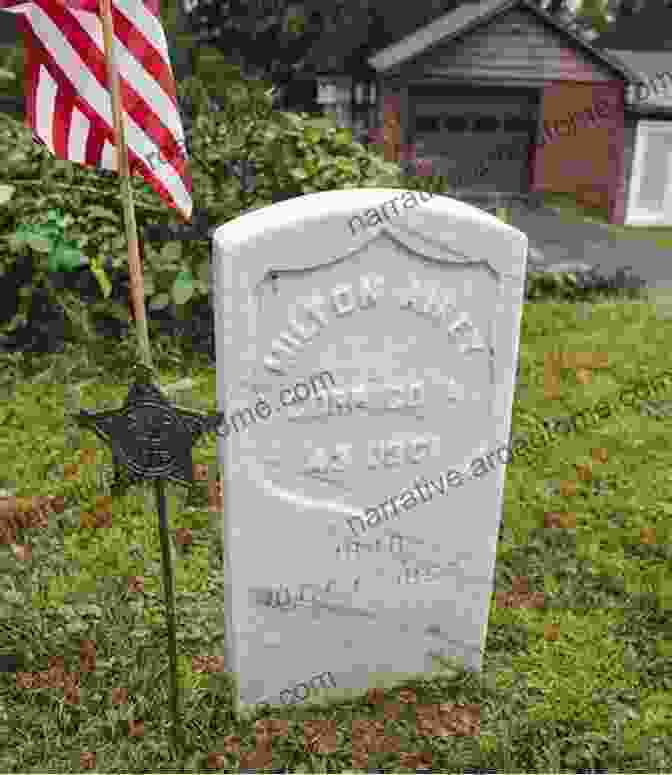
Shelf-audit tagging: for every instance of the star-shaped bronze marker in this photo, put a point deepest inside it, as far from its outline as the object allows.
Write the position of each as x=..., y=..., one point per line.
x=150, y=438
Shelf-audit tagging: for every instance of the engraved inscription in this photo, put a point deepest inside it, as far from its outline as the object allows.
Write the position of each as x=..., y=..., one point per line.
x=396, y=452
x=388, y=453
x=312, y=315
x=371, y=398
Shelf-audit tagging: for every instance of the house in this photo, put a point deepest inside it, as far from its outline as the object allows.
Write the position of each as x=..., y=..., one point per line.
x=643, y=42
x=497, y=94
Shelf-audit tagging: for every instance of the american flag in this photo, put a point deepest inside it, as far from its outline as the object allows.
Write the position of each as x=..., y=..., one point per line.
x=68, y=100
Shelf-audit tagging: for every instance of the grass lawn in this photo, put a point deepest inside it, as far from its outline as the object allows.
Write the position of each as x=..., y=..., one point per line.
x=581, y=684
x=569, y=209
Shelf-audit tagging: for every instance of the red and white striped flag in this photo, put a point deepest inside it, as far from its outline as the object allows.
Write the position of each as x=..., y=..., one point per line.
x=69, y=104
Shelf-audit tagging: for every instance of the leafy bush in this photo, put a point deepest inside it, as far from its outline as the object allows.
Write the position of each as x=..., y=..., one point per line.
x=582, y=286
x=292, y=155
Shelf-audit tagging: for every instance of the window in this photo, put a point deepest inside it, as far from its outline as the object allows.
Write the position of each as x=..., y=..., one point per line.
x=650, y=200
x=485, y=124
x=518, y=124
x=427, y=123
x=455, y=123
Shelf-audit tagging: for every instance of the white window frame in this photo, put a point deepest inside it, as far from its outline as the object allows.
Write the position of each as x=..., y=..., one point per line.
x=639, y=216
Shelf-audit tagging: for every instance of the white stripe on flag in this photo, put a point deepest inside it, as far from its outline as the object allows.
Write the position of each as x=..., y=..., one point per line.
x=80, y=126
x=108, y=158
x=143, y=83
x=144, y=20
x=45, y=99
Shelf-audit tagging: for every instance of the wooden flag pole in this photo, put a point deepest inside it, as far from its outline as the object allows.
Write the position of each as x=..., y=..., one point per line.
x=134, y=265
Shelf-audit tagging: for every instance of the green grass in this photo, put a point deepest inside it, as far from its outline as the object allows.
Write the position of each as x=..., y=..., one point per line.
x=598, y=698
x=572, y=211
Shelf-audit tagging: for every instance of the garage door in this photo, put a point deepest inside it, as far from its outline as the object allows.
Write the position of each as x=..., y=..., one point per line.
x=458, y=132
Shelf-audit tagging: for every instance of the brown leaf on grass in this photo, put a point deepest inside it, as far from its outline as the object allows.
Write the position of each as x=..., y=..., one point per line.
x=259, y=759
x=208, y=664
x=600, y=454
x=184, y=536
x=320, y=736
x=552, y=632
x=584, y=471
x=232, y=744
x=520, y=584
x=568, y=488
x=216, y=761
x=271, y=727
x=552, y=519
x=416, y=761
x=119, y=695
x=87, y=656
x=445, y=720
x=375, y=696
x=463, y=720
x=7, y=533
x=70, y=472
x=215, y=495
x=201, y=472
x=647, y=535
x=136, y=584
x=87, y=457
x=72, y=695
x=408, y=696
x=23, y=552
x=87, y=519
x=359, y=759
x=584, y=376
x=25, y=681
x=136, y=728
x=392, y=711
x=427, y=719
x=87, y=760
x=105, y=502
x=58, y=504
x=102, y=518
x=7, y=506
x=369, y=735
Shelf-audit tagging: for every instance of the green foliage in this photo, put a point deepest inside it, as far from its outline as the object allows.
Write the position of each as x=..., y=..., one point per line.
x=292, y=155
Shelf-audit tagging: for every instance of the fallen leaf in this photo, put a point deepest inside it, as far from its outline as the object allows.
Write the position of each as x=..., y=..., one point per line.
x=136, y=584
x=568, y=488
x=600, y=454
x=88, y=456
x=584, y=472
x=70, y=471
x=87, y=760
x=584, y=376
x=136, y=728
x=552, y=631
x=201, y=472
x=647, y=535
x=568, y=520
x=119, y=695
x=184, y=536
x=86, y=519
x=23, y=552
x=58, y=504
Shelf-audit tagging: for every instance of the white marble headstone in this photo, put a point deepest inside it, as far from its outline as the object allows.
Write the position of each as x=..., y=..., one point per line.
x=400, y=313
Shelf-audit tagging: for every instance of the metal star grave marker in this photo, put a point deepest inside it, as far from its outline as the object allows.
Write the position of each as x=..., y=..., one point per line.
x=151, y=439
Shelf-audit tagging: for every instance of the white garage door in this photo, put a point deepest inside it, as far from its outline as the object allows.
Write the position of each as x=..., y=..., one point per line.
x=459, y=133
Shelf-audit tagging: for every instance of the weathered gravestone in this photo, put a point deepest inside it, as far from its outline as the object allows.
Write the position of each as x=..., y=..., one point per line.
x=411, y=303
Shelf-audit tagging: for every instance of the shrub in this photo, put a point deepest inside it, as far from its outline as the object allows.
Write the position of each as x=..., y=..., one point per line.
x=292, y=155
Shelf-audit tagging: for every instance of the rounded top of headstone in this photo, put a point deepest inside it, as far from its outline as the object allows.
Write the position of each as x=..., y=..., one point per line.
x=339, y=223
